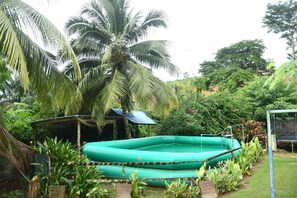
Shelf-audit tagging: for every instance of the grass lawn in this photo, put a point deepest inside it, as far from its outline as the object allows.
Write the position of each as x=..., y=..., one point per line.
x=285, y=179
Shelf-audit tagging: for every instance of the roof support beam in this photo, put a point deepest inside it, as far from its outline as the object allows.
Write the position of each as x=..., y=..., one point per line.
x=78, y=134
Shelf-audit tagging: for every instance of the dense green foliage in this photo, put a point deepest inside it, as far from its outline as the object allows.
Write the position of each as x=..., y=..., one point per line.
x=251, y=153
x=245, y=55
x=23, y=31
x=13, y=194
x=259, y=97
x=236, y=65
x=204, y=114
x=237, y=86
x=280, y=18
x=17, y=120
x=227, y=177
x=76, y=178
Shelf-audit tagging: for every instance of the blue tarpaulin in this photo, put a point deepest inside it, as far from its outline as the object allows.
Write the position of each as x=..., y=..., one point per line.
x=136, y=117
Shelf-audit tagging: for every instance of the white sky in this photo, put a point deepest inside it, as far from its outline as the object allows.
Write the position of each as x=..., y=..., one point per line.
x=196, y=28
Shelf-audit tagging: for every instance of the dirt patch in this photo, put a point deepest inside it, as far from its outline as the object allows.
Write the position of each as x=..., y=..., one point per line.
x=293, y=163
x=12, y=185
x=285, y=154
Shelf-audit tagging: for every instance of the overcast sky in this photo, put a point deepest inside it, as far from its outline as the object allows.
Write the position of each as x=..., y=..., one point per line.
x=196, y=28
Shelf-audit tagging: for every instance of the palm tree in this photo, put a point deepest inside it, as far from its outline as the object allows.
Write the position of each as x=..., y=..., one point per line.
x=116, y=60
x=23, y=31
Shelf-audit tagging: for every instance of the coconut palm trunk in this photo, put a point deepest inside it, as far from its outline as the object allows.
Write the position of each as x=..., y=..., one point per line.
x=125, y=119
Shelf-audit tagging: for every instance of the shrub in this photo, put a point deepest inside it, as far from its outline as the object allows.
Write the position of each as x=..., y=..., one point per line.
x=227, y=177
x=176, y=189
x=17, y=119
x=78, y=179
x=250, y=153
x=138, y=187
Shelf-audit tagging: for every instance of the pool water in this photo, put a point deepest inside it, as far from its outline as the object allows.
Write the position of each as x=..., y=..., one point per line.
x=181, y=148
x=184, y=149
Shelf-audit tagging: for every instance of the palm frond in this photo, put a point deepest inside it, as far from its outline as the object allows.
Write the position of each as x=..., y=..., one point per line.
x=165, y=99
x=95, y=12
x=141, y=83
x=154, y=54
x=154, y=19
x=52, y=86
x=11, y=47
x=284, y=73
x=18, y=18
x=93, y=78
x=114, y=90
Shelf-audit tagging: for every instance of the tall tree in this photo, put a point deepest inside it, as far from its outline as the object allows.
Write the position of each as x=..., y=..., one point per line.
x=281, y=18
x=22, y=31
x=235, y=65
x=246, y=54
x=109, y=39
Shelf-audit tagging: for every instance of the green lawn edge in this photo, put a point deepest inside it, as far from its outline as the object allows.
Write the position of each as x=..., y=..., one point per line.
x=258, y=185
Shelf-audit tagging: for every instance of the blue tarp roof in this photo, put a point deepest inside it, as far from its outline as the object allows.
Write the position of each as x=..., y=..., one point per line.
x=136, y=117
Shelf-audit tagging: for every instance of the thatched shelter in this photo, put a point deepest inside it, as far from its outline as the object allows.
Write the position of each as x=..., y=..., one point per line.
x=81, y=128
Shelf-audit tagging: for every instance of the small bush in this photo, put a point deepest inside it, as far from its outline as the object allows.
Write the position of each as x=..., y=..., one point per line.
x=78, y=179
x=194, y=190
x=227, y=177
x=176, y=189
x=251, y=153
x=138, y=187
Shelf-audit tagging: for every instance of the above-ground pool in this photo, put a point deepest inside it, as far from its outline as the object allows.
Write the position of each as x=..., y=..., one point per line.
x=171, y=150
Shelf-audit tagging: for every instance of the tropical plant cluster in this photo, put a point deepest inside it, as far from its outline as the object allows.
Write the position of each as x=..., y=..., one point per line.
x=250, y=154
x=138, y=186
x=80, y=181
x=229, y=175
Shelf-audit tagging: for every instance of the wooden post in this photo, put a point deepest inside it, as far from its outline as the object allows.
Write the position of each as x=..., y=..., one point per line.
x=56, y=191
x=232, y=147
x=232, y=136
x=123, y=190
x=78, y=135
x=34, y=188
x=208, y=189
x=114, y=130
x=35, y=135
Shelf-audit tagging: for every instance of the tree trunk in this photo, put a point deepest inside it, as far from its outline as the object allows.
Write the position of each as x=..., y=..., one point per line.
x=293, y=47
x=34, y=188
x=126, y=123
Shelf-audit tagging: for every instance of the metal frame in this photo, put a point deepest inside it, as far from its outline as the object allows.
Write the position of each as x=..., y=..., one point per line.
x=268, y=113
x=226, y=133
